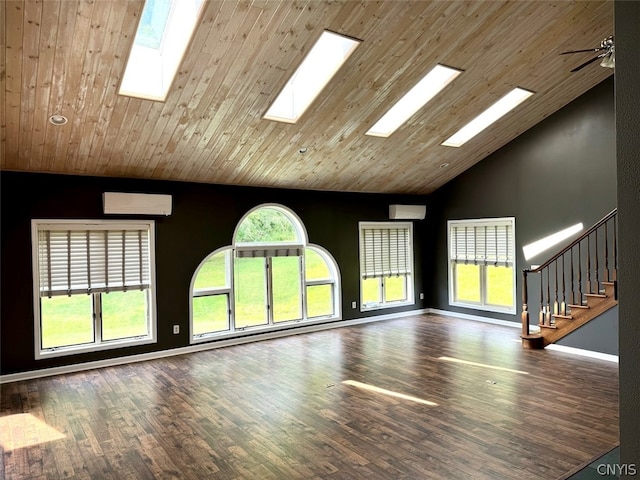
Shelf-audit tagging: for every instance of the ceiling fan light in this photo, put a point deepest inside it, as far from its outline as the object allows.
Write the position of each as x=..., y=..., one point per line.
x=609, y=60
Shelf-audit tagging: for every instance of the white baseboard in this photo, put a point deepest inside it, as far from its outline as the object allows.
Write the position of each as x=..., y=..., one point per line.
x=80, y=367
x=477, y=318
x=533, y=328
x=585, y=353
x=47, y=372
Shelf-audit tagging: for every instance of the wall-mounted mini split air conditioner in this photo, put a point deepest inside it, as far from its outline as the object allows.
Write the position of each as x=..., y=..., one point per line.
x=407, y=212
x=136, y=203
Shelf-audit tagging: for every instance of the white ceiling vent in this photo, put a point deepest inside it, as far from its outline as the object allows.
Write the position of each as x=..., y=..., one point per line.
x=407, y=212
x=136, y=203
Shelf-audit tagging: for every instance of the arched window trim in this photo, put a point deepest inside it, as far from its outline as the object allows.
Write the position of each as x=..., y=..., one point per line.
x=335, y=280
x=203, y=292
x=291, y=215
x=228, y=289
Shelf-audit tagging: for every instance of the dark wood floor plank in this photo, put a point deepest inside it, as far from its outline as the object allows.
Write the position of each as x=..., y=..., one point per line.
x=426, y=397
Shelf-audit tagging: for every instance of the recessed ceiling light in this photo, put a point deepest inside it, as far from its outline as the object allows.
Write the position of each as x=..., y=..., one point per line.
x=322, y=62
x=303, y=150
x=58, y=119
x=444, y=165
x=412, y=101
x=503, y=106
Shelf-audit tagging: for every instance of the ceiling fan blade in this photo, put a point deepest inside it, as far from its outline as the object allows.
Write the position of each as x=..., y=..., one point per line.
x=581, y=51
x=588, y=62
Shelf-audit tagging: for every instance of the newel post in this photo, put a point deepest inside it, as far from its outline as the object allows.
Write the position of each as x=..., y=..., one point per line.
x=525, y=299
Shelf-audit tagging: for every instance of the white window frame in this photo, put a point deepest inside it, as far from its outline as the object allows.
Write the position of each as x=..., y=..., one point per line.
x=410, y=291
x=483, y=304
x=333, y=281
x=98, y=345
x=268, y=251
x=226, y=290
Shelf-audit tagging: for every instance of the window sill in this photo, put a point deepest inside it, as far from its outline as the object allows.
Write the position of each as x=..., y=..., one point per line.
x=486, y=308
x=93, y=347
x=383, y=306
x=258, y=329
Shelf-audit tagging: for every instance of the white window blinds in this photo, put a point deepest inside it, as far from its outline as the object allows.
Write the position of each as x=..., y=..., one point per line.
x=75, y=260
x=385, y=251
x=245, y=251
x=486, y=243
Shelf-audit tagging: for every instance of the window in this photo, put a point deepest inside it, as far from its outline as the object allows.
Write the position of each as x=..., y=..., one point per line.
x=492, y=114
x=270, y=278
x=412, y=101
x=93, y=285
x=317, y=69
x=386, y=264
x=481, y=261
x=211, y=294
x=162, y=38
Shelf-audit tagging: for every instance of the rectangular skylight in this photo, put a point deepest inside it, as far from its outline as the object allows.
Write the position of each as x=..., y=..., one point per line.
x=503, y=106
x=163, y=34
x=427, y=88
x=322, y=62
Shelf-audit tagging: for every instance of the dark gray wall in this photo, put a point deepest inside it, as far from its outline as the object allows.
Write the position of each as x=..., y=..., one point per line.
x=204, y=218
x=559, y=173
x=627, y=28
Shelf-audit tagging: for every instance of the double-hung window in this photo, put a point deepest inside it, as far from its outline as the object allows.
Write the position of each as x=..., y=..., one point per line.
x=481, y=264
x=93, y=285
x=386, y=264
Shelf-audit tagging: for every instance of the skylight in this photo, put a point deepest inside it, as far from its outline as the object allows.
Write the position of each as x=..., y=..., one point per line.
x=503, y=106
x=322, y=62
x=163, y=34
x=427, y=88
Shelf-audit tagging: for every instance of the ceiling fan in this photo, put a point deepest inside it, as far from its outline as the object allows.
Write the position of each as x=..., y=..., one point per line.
x=607, y=49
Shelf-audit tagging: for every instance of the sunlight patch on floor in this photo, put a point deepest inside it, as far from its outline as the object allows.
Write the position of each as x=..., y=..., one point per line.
x=484, y=365
x=24, y=430
x=390, y=393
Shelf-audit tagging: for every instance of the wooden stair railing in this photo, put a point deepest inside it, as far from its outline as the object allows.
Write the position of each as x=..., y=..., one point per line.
x=574, y=286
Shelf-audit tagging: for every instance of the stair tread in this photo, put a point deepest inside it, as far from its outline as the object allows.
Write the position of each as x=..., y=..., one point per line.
x=553, y=327
x=608, y=283
x=596, y=295
x=559, y=315
x=578, y=306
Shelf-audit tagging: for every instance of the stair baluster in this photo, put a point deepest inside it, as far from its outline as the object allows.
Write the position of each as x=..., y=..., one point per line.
x=615, y=244
x=558, y=321
x=579, y=302
x=606, y=252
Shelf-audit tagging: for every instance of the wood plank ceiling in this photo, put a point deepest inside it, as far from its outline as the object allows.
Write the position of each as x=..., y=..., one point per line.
x=67, y=57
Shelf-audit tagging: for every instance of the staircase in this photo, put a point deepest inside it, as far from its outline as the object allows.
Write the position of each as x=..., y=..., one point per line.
x=573, y=287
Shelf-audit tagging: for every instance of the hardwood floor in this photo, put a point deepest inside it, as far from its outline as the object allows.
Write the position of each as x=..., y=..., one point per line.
x=280, y=409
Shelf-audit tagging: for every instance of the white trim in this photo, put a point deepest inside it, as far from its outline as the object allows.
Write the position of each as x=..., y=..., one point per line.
x=409, y=277
x=476, y=318
x=47, y=372
x=584, y=353
x=295, y=220
x=229, y=289
x=98, y=344
x=482, y=222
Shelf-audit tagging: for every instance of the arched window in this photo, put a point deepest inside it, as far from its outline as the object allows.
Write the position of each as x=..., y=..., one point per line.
x=270, y=278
